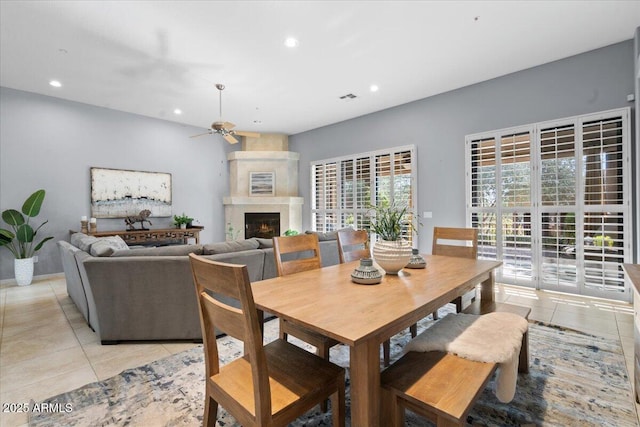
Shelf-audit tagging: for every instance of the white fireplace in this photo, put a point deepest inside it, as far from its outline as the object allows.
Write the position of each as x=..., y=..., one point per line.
x=263, y=180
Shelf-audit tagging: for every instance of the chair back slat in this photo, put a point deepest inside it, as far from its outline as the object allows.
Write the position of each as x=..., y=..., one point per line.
x=215, y=279
x=353, y=245
x=456, y=242
x=224, y=317
x=306, y=245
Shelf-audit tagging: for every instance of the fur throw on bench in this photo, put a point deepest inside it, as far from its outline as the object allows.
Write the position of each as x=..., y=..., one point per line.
x=492, y=338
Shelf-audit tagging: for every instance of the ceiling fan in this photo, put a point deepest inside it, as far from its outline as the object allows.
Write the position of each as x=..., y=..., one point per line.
x=226, y=128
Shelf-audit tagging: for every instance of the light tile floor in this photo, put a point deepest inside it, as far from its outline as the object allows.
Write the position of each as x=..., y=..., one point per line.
x=46, y=347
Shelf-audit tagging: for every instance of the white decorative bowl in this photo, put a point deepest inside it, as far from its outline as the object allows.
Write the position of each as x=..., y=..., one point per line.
x=392, y=256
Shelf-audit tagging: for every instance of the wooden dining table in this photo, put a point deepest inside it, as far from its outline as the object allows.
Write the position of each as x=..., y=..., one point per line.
x=363, y=316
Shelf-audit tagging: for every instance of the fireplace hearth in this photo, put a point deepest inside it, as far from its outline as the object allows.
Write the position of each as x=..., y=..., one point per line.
x=261, y=224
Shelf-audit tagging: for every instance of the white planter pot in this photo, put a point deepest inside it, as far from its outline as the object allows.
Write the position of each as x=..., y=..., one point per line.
x=23, y=270
x=392, y=256
x=183, y=226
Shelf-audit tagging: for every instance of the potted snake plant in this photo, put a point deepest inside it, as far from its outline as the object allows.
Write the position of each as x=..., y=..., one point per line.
x=20, y=240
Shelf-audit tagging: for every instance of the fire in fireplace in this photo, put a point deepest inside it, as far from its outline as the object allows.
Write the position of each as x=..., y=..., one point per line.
x=263, y=225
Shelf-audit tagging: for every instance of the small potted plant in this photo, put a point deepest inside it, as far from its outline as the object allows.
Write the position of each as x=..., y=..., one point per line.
x=181, y=221
x=20, y=240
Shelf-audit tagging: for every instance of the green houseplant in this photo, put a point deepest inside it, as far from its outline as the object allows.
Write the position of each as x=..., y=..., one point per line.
x=20, y=240
x=181, y=221
x=390, y=251
x=388, y=222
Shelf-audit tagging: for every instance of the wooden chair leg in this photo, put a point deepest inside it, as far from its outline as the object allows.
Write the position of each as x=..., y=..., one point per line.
x=386, y=352
x=338, y=411
x=523, y=363
x=391, y=413
x=458, y=302
x=414, y=330
x=210, y=412
x=283, y=335
x=322, y=350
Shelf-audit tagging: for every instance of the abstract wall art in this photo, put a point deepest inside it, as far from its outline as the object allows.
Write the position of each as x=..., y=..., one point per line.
x=117, y=193
x=261, y=183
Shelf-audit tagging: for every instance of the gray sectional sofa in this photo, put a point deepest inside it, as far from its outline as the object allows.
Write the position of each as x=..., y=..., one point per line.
x=148, y=293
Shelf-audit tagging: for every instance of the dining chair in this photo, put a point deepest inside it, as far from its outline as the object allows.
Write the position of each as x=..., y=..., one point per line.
x=270, y=385
x=456, y=242
x=294, y=254
x=353, y=245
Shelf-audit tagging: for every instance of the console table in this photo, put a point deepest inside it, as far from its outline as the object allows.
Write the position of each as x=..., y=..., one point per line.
x=142, y=237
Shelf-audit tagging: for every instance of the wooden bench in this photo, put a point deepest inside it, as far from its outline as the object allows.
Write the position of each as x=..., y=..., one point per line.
x=439, y=386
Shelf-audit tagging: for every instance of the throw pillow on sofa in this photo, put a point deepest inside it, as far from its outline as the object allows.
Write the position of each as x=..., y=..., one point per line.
x=105, y=246
x=83, y=241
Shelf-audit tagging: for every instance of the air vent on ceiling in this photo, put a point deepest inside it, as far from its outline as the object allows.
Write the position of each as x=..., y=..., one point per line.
x=348, y=96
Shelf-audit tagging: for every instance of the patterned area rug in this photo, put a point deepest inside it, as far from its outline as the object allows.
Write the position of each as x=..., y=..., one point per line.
x=575, y=379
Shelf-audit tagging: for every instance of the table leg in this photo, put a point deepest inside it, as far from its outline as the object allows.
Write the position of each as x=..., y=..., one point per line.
x=365, y=384
x=486, y=289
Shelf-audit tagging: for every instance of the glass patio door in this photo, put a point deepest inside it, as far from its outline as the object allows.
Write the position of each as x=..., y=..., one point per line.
x=558, y=173
x=552, y=201
x=500, y=176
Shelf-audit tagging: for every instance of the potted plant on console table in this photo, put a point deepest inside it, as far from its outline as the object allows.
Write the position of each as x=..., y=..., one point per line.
x=181, y=221
x=20, y=240
x=390, y=251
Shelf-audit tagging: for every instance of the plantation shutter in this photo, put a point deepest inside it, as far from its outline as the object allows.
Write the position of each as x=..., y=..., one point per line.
x=558, y=200
x=325, y=201
x=606, y=212
x=483, y=195
x=515, y=218
x=552, y=202
x=346, y=188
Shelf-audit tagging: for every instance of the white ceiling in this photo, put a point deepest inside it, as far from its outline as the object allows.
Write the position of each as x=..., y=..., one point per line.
x=150, y=57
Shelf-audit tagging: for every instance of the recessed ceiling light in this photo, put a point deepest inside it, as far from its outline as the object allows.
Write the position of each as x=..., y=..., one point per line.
x=373, y=88
x=291, y=42
x=177, y=111
x=55, y=83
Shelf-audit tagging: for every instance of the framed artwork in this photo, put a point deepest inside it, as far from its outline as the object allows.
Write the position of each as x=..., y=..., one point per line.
x=118, y=193
x=261, y=183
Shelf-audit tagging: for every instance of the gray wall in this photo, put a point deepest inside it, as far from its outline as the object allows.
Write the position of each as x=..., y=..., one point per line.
x=594, y=81
x=51, y=143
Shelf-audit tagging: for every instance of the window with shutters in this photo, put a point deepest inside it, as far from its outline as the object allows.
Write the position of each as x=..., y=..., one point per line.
x=552, y=201
x=344, y=189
